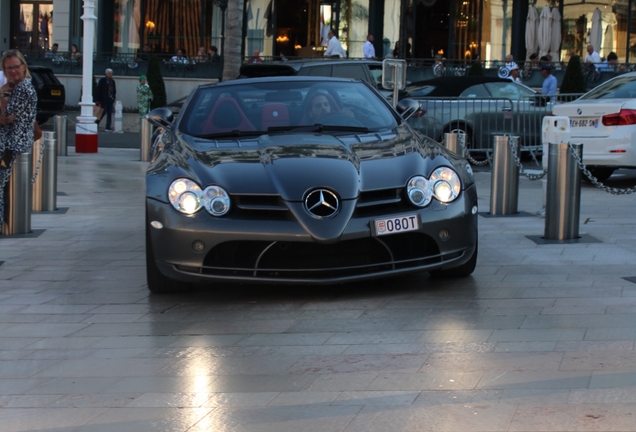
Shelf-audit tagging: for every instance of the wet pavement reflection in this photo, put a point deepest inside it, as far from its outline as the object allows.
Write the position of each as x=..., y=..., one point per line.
x=540, y=338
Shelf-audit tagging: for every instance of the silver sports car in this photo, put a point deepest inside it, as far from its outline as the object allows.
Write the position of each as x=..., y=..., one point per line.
x=302, y=180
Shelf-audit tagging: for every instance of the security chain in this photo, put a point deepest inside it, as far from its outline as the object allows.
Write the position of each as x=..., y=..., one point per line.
x=470, y=158
x=593, y=180
x=39, y=164
x=515, y=156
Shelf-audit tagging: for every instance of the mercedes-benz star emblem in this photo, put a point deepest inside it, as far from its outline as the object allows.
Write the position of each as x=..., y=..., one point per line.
x=322, y=203
x=579, y=111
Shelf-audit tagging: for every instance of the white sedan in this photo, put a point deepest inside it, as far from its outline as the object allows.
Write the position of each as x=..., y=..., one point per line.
x=604, y=121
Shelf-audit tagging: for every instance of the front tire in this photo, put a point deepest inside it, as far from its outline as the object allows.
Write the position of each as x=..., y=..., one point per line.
x=157, y=282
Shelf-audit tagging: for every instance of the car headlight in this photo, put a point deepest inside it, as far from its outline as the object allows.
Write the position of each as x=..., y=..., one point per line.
x=444, y=185
x=216, y=200
x=419, y=191
x=185, y=196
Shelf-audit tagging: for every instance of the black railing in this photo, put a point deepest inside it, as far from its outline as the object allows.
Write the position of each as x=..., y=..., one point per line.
x=417, y=70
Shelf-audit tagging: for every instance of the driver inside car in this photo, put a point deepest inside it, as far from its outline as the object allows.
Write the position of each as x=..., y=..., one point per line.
x=320, y=106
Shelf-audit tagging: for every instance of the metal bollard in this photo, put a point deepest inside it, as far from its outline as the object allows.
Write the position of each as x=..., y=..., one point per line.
x=504, y=181
x=454, y=141
x=44, y=192
x=48, y=172
x=36, y=186
x=17, y=199
x=563, y=202
x=146, y=137
x=60, y=135
x=119, y=117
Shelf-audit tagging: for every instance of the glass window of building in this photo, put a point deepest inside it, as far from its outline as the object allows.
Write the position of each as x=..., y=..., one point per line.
x=35, y=26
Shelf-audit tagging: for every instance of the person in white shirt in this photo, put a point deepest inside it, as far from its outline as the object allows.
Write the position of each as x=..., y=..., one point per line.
x=334, y=49
x=514, y=74
x=3, y=80
x=368, y=50
x=510, y=61
x=592, y=56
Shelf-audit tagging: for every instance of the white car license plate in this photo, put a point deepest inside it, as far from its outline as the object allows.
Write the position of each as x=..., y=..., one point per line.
x=396, y=224
x=584, y=122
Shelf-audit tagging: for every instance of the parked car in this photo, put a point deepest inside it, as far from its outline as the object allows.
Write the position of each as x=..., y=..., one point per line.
x=365, y=70
x=302, y=180
x=480, y=107
x=51, y=93
x=604, y=121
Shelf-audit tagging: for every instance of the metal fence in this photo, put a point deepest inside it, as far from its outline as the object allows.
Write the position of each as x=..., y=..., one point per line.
x=483, y=118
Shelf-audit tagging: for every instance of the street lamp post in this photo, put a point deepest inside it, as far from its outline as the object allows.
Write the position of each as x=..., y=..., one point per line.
x=86, y=128
x=222, y=4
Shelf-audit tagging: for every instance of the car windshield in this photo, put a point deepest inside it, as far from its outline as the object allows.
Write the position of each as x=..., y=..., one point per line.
x=621, y=87
x=509, y=90
x=420, y=91
x=255, y=108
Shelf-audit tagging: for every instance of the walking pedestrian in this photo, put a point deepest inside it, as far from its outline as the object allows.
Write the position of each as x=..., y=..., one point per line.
x=144, y=96
x=106, y=94
x=549, y=81
x=368, y=50
x=334, y=48
x=19, y=108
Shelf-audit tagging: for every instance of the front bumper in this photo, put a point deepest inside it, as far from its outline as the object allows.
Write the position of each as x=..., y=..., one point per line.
x=281, y=251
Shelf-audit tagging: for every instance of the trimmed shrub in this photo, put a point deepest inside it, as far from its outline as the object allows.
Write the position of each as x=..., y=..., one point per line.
x=155, y=81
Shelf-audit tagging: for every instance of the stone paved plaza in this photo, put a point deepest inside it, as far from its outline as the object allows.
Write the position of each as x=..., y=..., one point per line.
x=540, y=338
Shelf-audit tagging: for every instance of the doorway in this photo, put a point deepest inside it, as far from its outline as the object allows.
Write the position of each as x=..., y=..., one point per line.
x=431, y=29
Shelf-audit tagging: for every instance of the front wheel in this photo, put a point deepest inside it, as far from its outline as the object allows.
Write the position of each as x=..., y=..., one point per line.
x=157, y=282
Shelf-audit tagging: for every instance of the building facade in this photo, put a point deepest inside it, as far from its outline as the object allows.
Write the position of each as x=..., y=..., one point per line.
x=457, y=29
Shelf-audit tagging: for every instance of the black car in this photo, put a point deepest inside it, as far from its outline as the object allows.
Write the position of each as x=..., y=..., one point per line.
x=479, y=108
x=51, y=93
x=450, y=86
x=365, y=70
x=307, y=180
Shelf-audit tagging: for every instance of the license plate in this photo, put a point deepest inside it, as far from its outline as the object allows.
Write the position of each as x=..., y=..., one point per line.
x=56, y=92
x=396, y=224
x=584, y=123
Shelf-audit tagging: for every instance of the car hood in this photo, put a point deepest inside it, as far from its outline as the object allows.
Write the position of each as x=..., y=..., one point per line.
x=290, y=165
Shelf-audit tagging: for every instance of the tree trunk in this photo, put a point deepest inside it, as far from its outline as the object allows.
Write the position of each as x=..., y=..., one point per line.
x=233, y=39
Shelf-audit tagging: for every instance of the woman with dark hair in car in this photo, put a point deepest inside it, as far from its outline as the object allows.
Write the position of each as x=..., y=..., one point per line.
x=19, y=108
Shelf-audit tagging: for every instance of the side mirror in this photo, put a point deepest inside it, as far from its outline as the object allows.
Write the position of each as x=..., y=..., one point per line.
x=161, y=117
x=407, y=107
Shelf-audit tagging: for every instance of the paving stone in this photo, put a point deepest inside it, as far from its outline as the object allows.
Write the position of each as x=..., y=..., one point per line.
x=539, y=338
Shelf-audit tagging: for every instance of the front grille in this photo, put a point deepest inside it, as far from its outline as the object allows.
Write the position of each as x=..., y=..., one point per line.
x=298, y=260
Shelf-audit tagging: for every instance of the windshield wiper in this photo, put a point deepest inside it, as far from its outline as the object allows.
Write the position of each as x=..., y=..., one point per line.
x=231, y=134
x=318, y=128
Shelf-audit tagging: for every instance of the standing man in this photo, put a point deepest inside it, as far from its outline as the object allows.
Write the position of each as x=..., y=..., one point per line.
x=592, y=56
x=334, y=49
x=106, y=94
x=549, y=81
x=368, y=50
